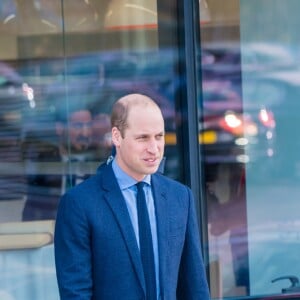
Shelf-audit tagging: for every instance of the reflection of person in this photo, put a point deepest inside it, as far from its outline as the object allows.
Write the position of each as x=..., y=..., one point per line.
x=97, y=238
x=101, y=135
x=227, y=214
x=78, y=130
x=75, y=140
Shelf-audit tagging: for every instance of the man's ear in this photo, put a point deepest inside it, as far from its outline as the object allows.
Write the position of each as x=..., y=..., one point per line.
x=115, y=136
x=59, y=128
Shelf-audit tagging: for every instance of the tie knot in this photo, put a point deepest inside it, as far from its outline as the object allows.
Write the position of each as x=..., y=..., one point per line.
x=140, y=185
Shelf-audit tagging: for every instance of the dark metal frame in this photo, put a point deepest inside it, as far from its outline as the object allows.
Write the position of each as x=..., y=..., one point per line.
x=189, y=34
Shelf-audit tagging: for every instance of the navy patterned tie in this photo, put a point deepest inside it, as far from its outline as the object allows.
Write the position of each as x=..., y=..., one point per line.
x=146, y=245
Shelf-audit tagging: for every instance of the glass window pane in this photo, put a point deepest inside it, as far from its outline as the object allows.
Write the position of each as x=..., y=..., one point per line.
x=248, y=105
x=26, y=131
x=62, y=65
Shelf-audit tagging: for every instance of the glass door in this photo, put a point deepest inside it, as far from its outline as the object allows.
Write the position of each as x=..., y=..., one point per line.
x=248, y=107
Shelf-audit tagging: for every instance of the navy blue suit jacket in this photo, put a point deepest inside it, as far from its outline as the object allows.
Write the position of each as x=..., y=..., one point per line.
x=96, y=252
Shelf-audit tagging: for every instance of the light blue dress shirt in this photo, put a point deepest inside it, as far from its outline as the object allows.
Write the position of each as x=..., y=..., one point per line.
x=129, y=191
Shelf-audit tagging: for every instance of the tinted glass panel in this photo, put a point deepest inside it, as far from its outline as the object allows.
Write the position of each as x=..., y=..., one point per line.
x=248, y=109
x=62, y=65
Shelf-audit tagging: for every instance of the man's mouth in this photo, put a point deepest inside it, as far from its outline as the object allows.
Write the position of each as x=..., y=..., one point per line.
x=151, y=160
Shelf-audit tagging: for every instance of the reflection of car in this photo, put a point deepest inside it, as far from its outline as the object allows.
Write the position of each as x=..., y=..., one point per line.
x=238, y=121
x=231, y=58
x=231, y=130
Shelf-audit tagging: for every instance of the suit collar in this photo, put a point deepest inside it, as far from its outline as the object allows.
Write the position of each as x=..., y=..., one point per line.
x=162, y=219
x=115, y=200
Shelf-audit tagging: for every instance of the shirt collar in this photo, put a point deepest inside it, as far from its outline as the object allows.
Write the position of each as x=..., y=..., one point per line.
x=125, y=181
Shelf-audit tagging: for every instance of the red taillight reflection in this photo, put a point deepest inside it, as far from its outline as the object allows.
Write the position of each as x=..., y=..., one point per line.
x=266, y=118
x=238, y=124
x=232, y=123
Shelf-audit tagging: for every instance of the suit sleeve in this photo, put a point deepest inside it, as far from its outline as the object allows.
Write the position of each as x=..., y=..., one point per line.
x=192, y=282
x=72, y=250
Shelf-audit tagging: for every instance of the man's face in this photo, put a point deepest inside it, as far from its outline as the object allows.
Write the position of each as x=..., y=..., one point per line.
x=140, y=151
x=80, y=130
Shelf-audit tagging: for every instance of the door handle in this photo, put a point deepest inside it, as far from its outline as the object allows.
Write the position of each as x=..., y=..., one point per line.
x=295, y=286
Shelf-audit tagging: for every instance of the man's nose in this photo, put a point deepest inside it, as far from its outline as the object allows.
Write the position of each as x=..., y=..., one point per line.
x=152, y=146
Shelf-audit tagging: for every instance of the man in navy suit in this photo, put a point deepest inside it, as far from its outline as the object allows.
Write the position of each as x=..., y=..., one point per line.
x=97, y=243
x=44, y=190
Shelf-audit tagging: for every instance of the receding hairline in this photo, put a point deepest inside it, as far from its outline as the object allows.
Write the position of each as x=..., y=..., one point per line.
x=136, y=99
x=123, y=106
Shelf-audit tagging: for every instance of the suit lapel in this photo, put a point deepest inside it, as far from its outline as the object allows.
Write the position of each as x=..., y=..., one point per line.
x=162, y=220
x=115, y=200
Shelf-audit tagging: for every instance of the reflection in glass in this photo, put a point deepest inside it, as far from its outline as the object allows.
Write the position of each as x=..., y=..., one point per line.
x=248, y=109
x=225, y=132
x=66, y=62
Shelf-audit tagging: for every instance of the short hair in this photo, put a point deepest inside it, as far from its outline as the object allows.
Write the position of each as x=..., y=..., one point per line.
x=122, y=107
x=66, y=106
